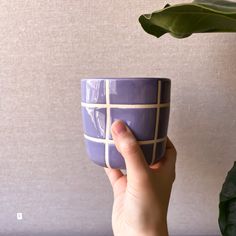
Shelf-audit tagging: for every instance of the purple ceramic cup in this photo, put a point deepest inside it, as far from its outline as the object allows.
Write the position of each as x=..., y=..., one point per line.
x=142, y=103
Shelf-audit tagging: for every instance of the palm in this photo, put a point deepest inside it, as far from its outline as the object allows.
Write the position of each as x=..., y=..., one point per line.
x=140, y=197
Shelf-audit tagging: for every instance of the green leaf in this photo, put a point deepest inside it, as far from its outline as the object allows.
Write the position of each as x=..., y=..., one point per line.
x=182, y=20
x=227, y=205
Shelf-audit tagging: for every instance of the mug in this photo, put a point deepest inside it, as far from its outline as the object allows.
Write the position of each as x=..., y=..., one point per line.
x=142, y=103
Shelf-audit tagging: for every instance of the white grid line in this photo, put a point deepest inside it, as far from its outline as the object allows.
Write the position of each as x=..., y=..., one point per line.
x=109, y=141
x=124, y=106
x=157, y=122
x=108, y=124
x=108, y=106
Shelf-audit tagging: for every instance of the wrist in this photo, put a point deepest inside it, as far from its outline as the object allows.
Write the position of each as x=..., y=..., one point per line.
x=160, y=230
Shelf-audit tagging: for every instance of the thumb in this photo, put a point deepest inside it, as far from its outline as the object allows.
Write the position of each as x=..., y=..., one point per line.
x=129, y=148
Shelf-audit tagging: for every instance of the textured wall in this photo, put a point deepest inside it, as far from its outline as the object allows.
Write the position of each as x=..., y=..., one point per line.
x=46, y=47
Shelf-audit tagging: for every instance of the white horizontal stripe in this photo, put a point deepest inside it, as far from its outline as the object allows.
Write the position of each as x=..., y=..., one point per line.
x=124, y=106
x=104, y=141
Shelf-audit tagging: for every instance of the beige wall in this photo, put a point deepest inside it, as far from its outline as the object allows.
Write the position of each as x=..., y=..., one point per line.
x=46, y=47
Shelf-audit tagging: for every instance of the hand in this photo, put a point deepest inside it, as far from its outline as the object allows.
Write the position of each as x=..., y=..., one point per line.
x=141, y=197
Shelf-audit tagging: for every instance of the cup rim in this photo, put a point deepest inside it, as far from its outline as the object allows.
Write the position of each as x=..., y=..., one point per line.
x=126, y=78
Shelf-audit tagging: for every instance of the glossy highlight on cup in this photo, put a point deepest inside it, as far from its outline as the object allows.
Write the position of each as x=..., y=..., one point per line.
x=142, y=103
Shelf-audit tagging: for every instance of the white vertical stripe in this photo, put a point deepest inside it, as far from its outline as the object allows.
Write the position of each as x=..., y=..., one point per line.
x=108, y=124
x=157, y=121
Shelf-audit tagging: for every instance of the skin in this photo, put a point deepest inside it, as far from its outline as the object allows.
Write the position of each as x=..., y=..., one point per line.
x=141, y=197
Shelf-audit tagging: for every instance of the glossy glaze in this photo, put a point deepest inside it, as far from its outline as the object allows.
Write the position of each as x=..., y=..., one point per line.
x=132, y=100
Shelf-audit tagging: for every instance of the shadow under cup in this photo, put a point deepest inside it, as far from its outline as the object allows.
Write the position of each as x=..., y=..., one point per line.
x=142, y=103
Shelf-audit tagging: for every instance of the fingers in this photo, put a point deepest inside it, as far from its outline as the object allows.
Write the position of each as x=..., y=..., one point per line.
x=129, y=148
x=113, y=175
x=171, y=153
x=169, y=160
x=170, y=145
x=117, y=181
x=167, y=165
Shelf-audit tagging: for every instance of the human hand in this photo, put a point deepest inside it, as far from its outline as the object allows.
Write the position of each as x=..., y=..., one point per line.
x=141, y=197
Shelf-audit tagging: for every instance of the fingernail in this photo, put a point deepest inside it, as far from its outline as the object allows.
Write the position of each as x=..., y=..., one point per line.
x=119, y=127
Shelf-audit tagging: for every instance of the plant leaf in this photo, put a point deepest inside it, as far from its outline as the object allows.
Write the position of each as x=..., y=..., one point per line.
x=182, y=20
x=218, y=5
x=227, y=205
